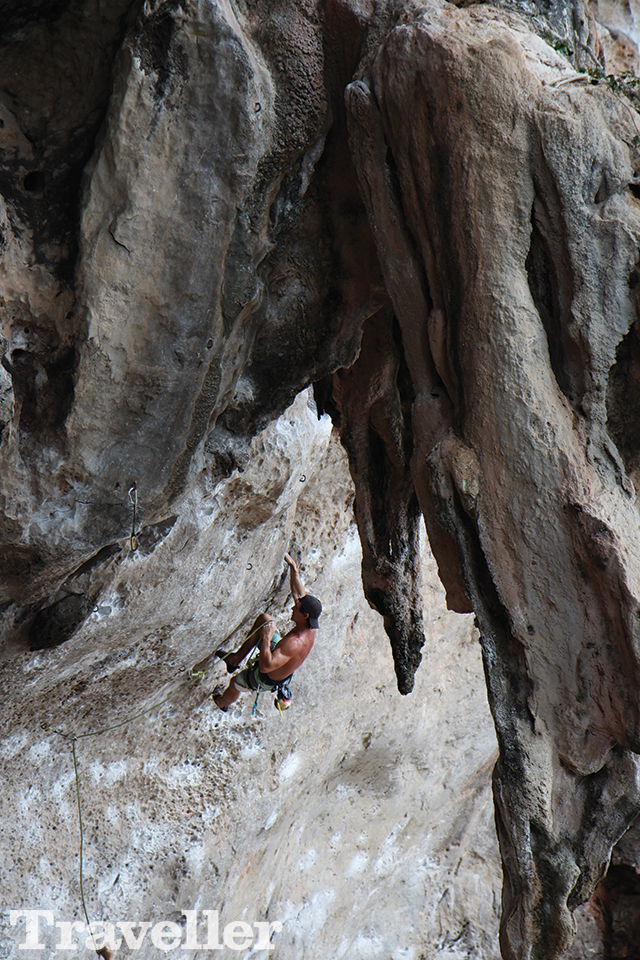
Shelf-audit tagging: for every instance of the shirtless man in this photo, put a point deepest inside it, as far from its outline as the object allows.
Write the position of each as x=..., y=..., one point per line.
x=278, y=657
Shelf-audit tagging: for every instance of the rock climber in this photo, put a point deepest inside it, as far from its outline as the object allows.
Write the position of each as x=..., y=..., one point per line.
x=279, y=657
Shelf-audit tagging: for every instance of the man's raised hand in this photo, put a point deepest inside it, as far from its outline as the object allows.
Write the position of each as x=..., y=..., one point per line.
x=297, y=586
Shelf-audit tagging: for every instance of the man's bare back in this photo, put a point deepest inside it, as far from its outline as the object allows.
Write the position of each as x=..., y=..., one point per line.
x=288, y=654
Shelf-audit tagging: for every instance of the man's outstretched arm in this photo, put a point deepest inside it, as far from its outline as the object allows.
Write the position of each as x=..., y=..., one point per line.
x=297, y=586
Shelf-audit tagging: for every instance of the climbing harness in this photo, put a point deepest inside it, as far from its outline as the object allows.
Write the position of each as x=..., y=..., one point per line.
x=281, y=688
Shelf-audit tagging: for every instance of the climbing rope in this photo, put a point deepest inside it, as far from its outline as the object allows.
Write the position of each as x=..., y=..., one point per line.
x=195, y=677
x=84, y=904
x=95, y=733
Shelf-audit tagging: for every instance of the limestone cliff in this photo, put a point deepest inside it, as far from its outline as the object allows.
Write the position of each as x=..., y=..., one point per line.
x=429, y=212
x=361, y=821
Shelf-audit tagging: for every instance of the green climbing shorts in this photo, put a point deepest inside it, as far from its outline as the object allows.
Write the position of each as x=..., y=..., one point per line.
x=252, y=679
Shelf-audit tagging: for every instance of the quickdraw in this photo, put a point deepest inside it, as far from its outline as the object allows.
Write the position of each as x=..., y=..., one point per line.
x=133, y=498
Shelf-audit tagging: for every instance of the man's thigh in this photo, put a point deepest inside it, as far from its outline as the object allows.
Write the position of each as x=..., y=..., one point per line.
x=241, y=681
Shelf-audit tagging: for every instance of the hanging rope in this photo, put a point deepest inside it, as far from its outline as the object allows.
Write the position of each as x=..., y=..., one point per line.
x=195, y=677
x=94, y=733
x=84, y=904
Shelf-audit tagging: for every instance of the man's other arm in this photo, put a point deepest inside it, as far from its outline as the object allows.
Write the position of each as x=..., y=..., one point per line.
x=297, y=586
x=278, y=657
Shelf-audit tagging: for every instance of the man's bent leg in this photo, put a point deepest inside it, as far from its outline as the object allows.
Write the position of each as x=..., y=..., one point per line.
x=254, y=638
x=229, y=696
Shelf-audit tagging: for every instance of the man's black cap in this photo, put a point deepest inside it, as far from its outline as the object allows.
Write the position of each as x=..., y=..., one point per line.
x=313, y=607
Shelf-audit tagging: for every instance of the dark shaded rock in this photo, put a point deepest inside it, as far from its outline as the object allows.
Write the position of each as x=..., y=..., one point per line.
x=372, y=405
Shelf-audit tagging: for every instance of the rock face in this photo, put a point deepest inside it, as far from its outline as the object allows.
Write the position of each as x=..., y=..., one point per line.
x=429, y=212
x=361, y=821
